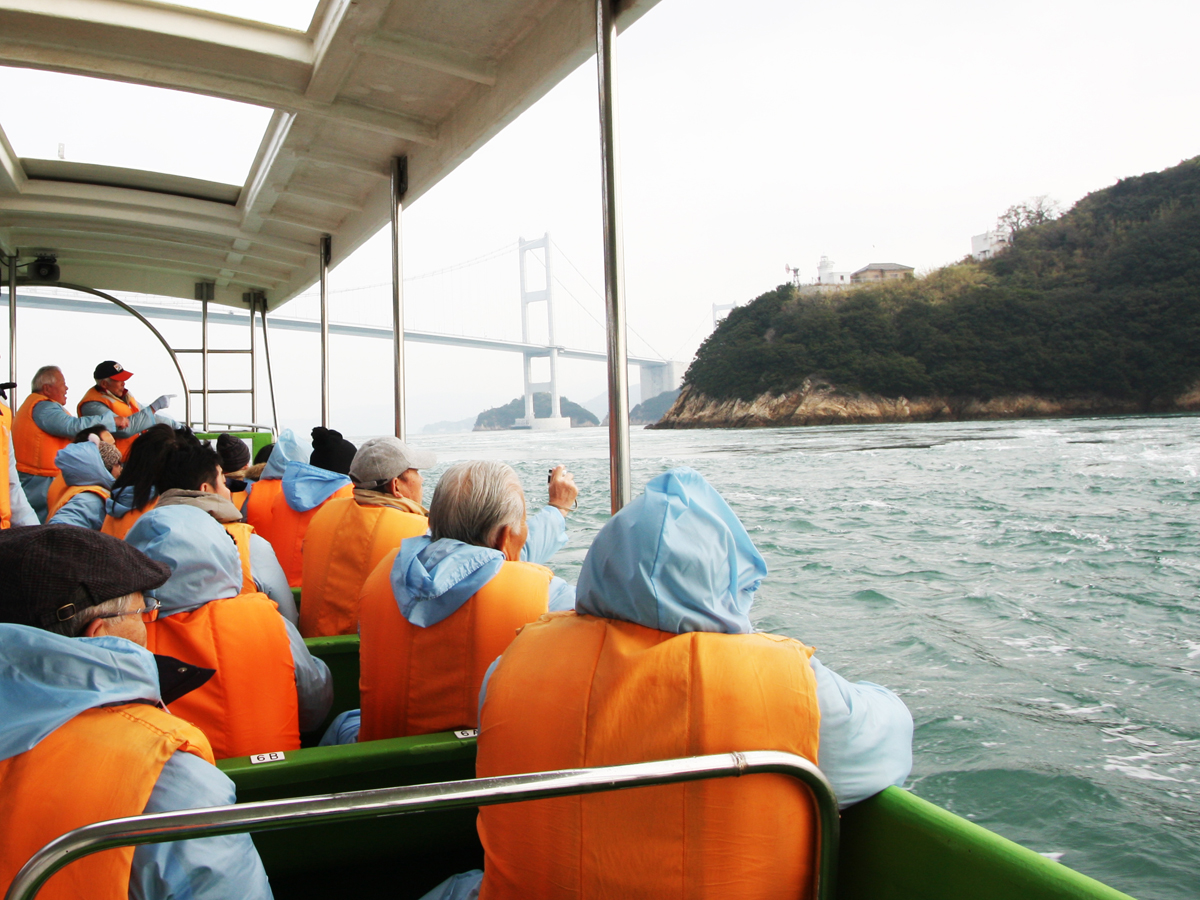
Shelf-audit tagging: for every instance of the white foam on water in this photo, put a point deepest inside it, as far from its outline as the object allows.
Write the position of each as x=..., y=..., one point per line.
x=1142, y=773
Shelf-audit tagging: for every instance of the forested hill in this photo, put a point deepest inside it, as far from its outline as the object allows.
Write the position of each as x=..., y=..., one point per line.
x=1103, y=302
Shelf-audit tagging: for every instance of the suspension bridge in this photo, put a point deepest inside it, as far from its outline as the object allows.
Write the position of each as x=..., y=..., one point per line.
x=488, y=280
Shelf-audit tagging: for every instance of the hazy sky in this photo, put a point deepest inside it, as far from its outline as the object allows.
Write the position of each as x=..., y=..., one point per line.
x=756, y=135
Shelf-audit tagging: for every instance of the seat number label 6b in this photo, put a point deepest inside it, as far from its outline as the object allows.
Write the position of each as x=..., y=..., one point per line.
x=266, y=757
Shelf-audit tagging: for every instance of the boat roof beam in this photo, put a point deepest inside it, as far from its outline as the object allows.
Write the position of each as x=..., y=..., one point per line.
x=370, y=80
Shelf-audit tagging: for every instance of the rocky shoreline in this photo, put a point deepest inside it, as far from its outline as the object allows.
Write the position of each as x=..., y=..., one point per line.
x=818, y=402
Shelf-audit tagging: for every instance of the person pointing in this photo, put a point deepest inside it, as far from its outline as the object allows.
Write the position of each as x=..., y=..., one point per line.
x=110, y=393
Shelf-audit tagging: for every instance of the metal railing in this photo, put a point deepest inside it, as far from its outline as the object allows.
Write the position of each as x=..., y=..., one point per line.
x=275, y=814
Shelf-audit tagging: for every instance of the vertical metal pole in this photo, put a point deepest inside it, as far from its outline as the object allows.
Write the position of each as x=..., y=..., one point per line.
x=253, y=370
x=270, y=374
x=620, y=484
x=555, y=403
x=12, y=320
x=399, y=189
x=326, y=245
x=204, y=359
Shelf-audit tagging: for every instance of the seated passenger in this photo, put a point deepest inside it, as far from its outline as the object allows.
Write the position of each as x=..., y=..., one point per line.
x=133, y=493
x=660, y=660
x=350, y=535
x=58, y=486
x=192, y=476
x=88, y=470
x=235, y=457
x=42, y=426
x=261, y=494
x=438, y=610
x=305, y=488
x=268, y=687
x=84, y=735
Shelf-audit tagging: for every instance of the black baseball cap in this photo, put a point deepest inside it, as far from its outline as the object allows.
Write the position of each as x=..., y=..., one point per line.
x=110, y=368
x=53, y=572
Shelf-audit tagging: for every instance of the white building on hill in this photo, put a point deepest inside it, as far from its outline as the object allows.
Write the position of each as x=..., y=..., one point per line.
x=826, y=275
x=986, y=245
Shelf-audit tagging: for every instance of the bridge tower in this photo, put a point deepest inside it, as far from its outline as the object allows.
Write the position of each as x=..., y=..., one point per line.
x=556, y=421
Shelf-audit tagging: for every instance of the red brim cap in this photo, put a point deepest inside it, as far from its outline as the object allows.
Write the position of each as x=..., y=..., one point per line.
x=122, y=376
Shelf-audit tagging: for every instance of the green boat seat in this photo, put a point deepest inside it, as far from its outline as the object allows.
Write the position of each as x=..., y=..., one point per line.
x=367, y=857
x=340, y=653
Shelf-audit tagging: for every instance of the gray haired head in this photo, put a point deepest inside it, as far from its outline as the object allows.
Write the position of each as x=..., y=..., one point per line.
x=44, y=376
x=474, y=500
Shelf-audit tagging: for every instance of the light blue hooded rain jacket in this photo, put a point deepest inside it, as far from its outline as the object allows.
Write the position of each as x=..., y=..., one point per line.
x=286, y=450
x=46, y=680
x=307, y=486
x=677, y=559
x=81, y=464
x=205, y=566
x=432, y=579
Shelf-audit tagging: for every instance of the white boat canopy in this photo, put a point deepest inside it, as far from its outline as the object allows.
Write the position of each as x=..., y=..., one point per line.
x=369, y=81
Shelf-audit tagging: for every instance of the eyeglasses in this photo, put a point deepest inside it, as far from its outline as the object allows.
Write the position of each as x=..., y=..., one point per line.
x=149, y=612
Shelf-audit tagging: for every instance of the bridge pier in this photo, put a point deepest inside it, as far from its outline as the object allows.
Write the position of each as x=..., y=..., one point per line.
x=659, y=377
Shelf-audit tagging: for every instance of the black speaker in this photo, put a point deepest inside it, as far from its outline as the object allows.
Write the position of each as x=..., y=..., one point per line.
x=44, y=269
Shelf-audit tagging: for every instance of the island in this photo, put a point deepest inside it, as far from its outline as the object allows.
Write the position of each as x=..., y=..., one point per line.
x=1094, y=312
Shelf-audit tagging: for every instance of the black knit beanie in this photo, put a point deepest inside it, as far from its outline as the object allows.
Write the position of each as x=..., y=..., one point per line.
x=331, y=451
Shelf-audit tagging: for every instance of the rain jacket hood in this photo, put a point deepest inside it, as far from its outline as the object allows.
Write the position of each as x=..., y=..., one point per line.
x=203, y=557
x=287, y=449
x=432, y=579
x=121, y=503
x=47, y=679
x=306, y=487
x=676, y=559
x=81, y=464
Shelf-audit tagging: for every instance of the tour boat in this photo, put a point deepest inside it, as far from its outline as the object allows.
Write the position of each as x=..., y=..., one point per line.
x=340, y=158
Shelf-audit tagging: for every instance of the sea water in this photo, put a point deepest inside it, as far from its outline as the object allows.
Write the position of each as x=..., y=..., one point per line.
x=1029, y=588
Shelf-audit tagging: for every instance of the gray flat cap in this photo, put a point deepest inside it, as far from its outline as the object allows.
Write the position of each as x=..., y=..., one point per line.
x=384, y=458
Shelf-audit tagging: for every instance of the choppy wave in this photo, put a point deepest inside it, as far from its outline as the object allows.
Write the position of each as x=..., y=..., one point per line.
x=1029, y=588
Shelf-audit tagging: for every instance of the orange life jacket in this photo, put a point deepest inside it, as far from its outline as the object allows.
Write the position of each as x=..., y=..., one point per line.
x=288, y=529
x=238, y=499
x=126, y=407
x=5, y=487
x=250, y=705
x=420, y=680
x=259, y=504
x=55, y=490
x=345, y=542
x=5, y=431
x=102, y=764
x=118, y=528
x=35, y=448
x=575, y=691
x=75, y=490
x=241, y=532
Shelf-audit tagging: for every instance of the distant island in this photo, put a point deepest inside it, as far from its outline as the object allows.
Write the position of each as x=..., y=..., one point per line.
x=1093, y=312
x=499, y=418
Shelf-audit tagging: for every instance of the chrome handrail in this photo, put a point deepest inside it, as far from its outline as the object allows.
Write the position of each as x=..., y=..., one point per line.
x=274, y=814
x=244, y=426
